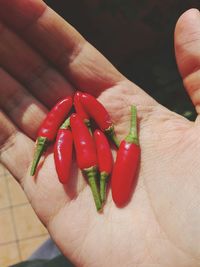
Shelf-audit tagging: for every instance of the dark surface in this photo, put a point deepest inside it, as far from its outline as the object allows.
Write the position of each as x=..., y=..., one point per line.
x=153, y=66
x=59, y=261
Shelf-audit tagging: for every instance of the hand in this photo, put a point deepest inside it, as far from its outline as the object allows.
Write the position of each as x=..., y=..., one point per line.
x=44, y=58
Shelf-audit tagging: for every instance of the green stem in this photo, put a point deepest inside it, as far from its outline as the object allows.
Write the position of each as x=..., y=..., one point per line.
x=132, y=137
x=66, y=124
x=103, y=183
x=41, y=144
x=111, y=133
x=91, y=174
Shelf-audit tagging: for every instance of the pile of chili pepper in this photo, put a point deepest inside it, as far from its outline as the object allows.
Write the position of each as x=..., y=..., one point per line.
x=93, y=151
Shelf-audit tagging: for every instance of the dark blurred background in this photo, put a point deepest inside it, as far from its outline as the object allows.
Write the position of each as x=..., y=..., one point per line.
x=137, y=37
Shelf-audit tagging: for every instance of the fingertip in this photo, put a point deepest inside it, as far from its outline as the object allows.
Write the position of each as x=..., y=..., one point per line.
x=187, y=19
x=186, y=23
x=187, y=41
x=190, y=13
x=187, y=48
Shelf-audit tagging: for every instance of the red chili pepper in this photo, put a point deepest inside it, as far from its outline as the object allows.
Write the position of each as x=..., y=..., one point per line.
x=126, y=165
x=105, y=161
x=80, y=110
x=86, y=154
x=49, y=127
x=63, y=152
x=97, y=112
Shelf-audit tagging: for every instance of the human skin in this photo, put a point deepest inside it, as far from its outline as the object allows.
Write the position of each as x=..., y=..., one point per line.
x=160, y=225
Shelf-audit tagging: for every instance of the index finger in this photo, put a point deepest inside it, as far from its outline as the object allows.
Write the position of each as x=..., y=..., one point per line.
x=38, y=24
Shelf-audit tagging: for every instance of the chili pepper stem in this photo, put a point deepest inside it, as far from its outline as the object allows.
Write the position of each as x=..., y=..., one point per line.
x=66, y=124
x=91, y=174
x=41, y=144
x=132, y=137
x=103, y=183
x=111, y=133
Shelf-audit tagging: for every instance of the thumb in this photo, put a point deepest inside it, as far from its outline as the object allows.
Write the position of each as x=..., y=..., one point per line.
x=187, y=48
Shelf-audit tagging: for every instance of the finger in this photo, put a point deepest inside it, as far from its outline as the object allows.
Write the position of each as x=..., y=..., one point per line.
x=23, y=109
x=27, y=66
x=61, y=43
x=187, y=47
x=15, y=148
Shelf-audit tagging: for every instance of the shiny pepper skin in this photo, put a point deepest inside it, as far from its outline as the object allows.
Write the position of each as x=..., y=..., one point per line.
x=49, y=127
x=86, y=155
x=63, y=153
x=104, y=154
x=55, y=118
x=124, y=172
x=105, y=161
x=96, y=111
x=99, y=114
x=79, y=108
x=84, y=143
x=124, y=175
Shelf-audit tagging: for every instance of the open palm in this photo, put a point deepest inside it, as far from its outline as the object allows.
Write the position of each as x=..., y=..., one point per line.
x=43, y=58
